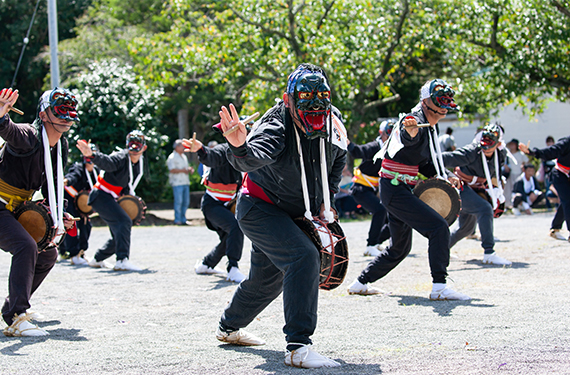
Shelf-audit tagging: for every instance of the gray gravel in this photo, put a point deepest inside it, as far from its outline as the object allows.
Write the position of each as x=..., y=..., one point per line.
x=162, y=321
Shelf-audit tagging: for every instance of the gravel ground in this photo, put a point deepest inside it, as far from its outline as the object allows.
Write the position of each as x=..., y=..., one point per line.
x=162, y=320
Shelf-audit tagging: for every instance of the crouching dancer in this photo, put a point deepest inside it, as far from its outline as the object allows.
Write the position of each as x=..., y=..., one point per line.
x=294, y=158
x=33, y=157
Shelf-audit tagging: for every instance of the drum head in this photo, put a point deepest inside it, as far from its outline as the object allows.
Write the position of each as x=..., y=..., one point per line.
x=37, y=221
x=441, y=196
x=81, y=203
x=133, y=206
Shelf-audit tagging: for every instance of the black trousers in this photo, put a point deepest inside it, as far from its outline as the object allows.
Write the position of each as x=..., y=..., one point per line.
x=28, y=269
x=73, y=244
x=562, y=185
x=379, y=229
x=407, y=212
x=220, y=219
x=119, y=222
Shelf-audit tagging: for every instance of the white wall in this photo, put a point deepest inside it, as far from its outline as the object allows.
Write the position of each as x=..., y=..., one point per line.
x=555, y=121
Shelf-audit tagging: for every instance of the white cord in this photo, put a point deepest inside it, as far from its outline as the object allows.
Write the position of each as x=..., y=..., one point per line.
x=55, y=206
x=132, y=186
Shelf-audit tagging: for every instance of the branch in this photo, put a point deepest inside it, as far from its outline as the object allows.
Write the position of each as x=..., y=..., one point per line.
x=257, y=24
x=325, y=14
x=292, y=37
x=561, y=8
x=381, y=102
x=494, y=45
x=391, y=48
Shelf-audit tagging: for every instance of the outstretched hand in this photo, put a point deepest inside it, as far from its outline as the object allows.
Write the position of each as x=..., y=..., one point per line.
x=83, y=146
x=192, y=145
x=410, y=126
x=7, y=100
x=524, y=148
x=229, y=119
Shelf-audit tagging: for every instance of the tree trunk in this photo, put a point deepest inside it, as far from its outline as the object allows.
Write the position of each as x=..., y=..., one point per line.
x=183, y=128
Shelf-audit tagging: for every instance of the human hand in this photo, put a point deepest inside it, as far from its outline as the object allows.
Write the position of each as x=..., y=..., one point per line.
x=7, y=99
x=192, y=145
x=229, y=119
x=455, y=181
x=410, y=126
x=68, y=221
x=524, y=148
x=83, y=146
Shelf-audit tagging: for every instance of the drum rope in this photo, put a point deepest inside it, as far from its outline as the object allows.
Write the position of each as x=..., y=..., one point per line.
x=89, y=180
x=55, y=206
x=329, y=216
x=436, y=156
x=133, y=186
x=495, y=195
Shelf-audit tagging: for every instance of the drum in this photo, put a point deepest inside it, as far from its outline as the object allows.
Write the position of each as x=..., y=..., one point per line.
x=441, y=196
x=36, y=219
x=231, y=205
x=133, y=206
x=497, y=212
x=333, y=250
x=81, y=205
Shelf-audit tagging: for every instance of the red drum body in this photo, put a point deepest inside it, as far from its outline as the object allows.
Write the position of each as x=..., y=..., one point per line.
x=333, y=255
x=133, y=206
x=441, y=196
x=81, y=205
x=36, y=219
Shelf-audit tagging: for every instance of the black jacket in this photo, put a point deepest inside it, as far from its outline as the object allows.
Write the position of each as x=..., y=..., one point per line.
x=366, y=152
x=116, y=167
x=77, y=176
x=221, y=172
x=270, y=158
x=519, y=186
x=468, y=158
x=560, y=150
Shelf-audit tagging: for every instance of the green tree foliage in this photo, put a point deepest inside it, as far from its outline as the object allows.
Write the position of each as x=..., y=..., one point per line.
x=15, y=17
x=113, y=102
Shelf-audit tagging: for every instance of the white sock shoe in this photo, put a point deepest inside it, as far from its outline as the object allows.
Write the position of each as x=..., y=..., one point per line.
x=201, y=269
x=358, y=288
x=493, y=258
x=125, y=265
x=441, y=292
x=306, y=357
x=235, y=275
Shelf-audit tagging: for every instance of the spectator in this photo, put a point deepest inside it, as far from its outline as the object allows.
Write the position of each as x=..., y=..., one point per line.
x=447, y=141
x=526, y=192
x=512, y=171
x=177, y=164
x=345, y=203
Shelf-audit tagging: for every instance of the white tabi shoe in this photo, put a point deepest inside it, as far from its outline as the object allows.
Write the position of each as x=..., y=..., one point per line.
x=373, y=251
x=95, y=264
x=235, y=275
x=239, y=337
x=21, y=327
x=78, y=260
x=306, y=357
x=125, y=265
x=493, y=258
x=358, y=288
x=202, y=269
x=441, y=292
x=555, y=233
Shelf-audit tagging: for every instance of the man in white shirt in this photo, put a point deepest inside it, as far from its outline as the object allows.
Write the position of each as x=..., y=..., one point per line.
x=177, y=164
x=526, y=192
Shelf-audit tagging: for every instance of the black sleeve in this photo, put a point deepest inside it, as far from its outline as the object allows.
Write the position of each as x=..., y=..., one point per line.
x=560, y=148
x=74, y=174
x=366, y=151
x=111, y=162
x=213, y=157
x=462, y=156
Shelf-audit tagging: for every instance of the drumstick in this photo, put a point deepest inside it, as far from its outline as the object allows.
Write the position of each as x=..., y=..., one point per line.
x=12, y=108
x=236, y=127
x=73, y=218
x=419, y=125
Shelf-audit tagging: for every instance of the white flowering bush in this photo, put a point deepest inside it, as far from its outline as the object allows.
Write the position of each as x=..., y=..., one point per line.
x=112, y=103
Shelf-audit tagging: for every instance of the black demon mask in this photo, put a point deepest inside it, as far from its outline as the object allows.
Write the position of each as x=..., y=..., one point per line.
x=491, y=136
x=135, y=141
x=62, y=103
x=310, y=99
x=441, y=94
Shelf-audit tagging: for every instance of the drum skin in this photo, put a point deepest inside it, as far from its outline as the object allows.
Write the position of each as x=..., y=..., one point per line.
x=36, y=219
x=441, y=196
x=81, y=203
x=334, y=264
x=133, y=206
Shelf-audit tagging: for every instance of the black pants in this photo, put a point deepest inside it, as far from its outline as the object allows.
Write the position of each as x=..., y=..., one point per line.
x=562, y=185
x=220, y=219
x=73, y=244
x=379, y=229
x=119, y=222
x=283, y=259
x=558, y=219
x=29, y=268
x=407, y=212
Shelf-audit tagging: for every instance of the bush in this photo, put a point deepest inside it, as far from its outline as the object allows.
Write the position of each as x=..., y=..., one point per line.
x=112, y=103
